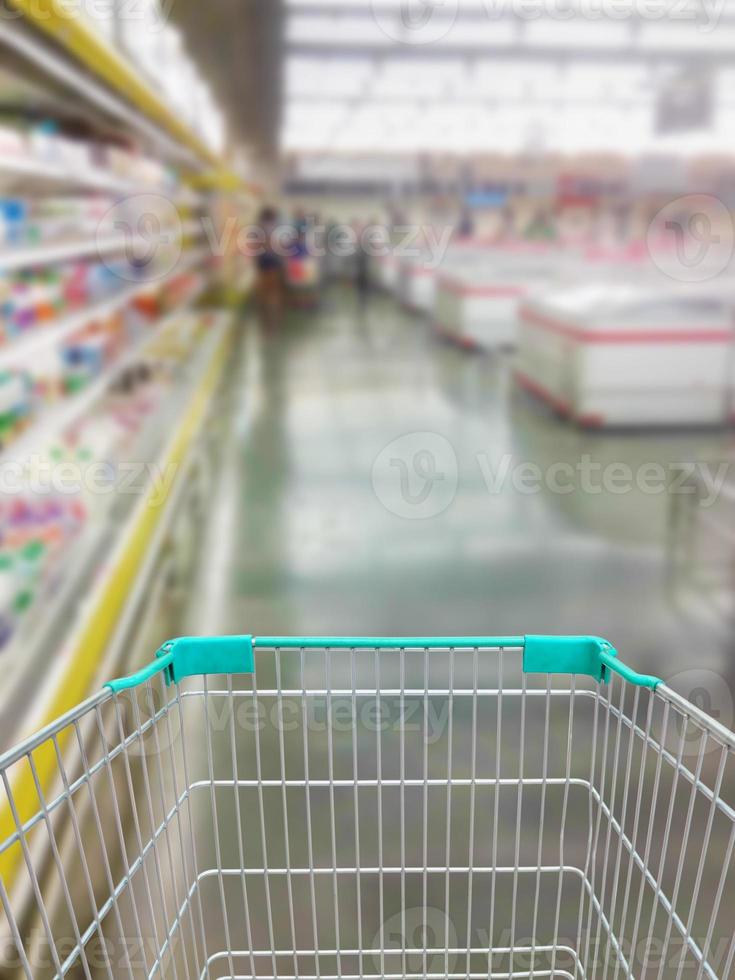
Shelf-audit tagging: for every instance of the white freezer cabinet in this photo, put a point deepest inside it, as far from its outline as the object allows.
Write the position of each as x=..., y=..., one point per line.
x=416, y=283
x=477, y=304
x=475, y=314
x=624, y=355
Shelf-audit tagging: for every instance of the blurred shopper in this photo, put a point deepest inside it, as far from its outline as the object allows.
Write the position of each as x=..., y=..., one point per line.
x=270, y=272
x=303, y=273
x=362, y=274
x=301, y=224
x=466, y=227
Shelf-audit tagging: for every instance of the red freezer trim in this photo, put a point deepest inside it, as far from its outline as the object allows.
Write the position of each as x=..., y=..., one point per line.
x=673, y=336
x=456, y=338
x=460, y=289
x=591, y=421
x=560, y=405
x=419, y=270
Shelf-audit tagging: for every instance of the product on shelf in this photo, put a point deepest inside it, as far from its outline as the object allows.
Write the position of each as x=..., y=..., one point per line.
x=16, y=397
x=12, y=142
x=43, y=144
x=13, y=217
x=30, y=298
x=39, y=529
x=34, y=531
x=26, y=222
x=88, y=352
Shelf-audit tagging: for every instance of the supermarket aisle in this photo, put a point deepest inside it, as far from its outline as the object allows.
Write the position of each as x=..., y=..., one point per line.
x=348, y=429
x=343, y=430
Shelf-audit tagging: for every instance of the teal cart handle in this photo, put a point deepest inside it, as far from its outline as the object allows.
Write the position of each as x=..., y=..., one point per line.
x=589, y=655
x=201, y=655
x=189, y=656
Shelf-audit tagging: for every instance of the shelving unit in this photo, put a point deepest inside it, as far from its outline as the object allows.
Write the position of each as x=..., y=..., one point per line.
x=39, y=255
x=55, y=332
x=58, y=418
x=110, y=554
x=88, y=49
x=53, y=658
x=45, y=173
x=123, y=564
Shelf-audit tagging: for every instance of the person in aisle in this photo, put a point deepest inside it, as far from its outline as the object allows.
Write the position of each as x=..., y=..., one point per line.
x=362, y=274
x=301, y=223
x=466, y=226
x=302, y=267
x=270, y=272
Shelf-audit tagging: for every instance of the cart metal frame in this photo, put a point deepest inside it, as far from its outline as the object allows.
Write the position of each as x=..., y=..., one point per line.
x=210, y=825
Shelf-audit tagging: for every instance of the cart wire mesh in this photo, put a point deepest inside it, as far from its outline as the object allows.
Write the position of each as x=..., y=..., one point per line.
x=372, y=808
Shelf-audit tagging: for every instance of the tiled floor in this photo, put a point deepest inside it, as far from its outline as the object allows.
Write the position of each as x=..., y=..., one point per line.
x=341, y=529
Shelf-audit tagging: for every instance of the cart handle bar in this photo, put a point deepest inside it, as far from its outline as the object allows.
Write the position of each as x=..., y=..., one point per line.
x=195, y=655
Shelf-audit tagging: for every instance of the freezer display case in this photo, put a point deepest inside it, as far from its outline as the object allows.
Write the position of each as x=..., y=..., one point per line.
x=479, y=291
x=630, y=355
x=416, y=283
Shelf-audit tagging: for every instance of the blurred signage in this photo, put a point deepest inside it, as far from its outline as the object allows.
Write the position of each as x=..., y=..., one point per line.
x=490, y=197
x=660, y=173
x=723, y=188
x=540, y=187
x=582, y=189
x=348, y=169
x=685, y=101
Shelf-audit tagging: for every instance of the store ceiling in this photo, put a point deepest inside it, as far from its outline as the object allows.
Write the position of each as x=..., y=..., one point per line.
x=238, y=45
x=356, y=76
x=509, y=76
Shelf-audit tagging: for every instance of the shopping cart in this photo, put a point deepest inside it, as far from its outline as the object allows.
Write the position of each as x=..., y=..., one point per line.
x=507, y=807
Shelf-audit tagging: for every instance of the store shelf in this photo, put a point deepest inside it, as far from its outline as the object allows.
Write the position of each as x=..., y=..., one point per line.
x=42, y=170
x=64, y=23
x=87, y=547
x=67, y=680
x=60, y=416
x=39, y=338
x=26, y=168
x=59, y=70
x=39, y=255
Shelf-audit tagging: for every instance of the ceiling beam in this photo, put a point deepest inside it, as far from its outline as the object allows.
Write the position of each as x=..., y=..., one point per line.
x=616, y=54
x=501, y=10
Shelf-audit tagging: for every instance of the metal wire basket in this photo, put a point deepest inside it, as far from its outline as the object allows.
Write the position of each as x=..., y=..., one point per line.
x=507, y=807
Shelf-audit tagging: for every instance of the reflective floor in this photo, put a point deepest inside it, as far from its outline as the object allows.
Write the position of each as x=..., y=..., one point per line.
x=381, y=485
x=375, y=484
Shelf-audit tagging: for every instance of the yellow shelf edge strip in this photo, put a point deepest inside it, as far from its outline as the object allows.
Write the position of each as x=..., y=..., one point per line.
x=100, y=625
x=223, y=180
x=63, y=23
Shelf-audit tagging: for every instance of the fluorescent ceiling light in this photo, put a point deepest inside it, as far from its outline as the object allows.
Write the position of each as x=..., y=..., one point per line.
x=685, y=36
x=338, y=30
x=576, y=33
